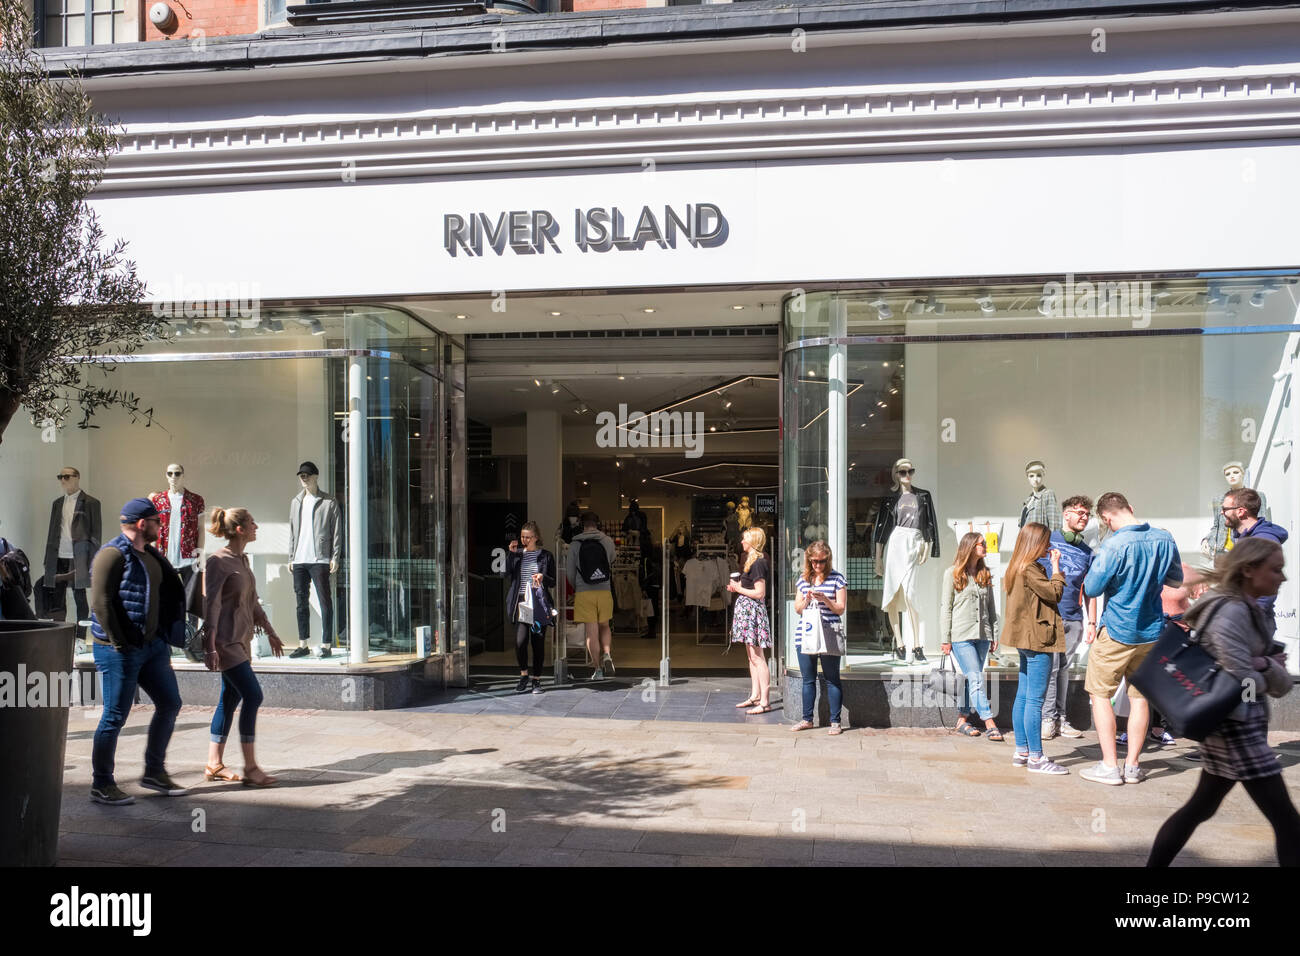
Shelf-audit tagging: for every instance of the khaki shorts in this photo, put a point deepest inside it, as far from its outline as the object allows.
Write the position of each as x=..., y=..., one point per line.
x=1109, y=661
x=593, y=607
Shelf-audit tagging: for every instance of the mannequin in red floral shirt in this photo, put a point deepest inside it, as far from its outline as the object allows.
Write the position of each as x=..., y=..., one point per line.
x=180, y=510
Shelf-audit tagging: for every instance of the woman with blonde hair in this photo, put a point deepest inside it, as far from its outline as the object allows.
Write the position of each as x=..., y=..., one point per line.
x=1238, y=634
x=230, y=612
x=968, y=620
x=820, y=584
x=1035, y=629
x=750, y=625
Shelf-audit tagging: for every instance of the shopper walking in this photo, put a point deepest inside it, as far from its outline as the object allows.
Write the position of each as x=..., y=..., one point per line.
x=750, y=625
x=230, y=612
x=820, y=584
x=1238, y=633
x=1035, y=629
x=1078, y=615
x=967, y=627
x=591, y=557
x=136, y=598
x=1131, y=569
x=531, y=567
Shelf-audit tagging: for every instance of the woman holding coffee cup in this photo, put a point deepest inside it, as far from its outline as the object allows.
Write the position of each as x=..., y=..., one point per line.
x=750, y=625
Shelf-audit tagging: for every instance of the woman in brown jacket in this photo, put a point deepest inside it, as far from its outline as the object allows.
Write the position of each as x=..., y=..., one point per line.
x=230, y=612
x=1033, y=626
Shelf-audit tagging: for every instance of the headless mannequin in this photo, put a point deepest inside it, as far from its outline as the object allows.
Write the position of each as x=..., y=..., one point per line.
x=904, y=479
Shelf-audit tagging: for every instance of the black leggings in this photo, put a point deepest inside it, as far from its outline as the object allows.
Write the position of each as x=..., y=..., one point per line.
x=523, y=635
x=1269, y=794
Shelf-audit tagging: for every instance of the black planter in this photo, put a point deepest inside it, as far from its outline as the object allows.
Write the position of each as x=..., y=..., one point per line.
x=33, y=738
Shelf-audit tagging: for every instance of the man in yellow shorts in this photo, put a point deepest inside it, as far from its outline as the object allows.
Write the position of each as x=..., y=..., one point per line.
x=591, y=556
x=1131, y=569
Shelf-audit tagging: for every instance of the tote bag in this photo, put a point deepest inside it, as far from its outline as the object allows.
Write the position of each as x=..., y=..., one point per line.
x=1186, y=684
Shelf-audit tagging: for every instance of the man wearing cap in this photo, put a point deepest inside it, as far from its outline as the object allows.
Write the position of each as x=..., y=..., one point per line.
x=136, y=598
x=315, y=544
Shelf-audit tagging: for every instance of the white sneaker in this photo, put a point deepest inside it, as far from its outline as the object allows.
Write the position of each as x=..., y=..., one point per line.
x=1049, y=729
x=1068, y=731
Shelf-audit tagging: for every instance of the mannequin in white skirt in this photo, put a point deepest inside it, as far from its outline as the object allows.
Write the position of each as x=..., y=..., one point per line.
x=905, y=537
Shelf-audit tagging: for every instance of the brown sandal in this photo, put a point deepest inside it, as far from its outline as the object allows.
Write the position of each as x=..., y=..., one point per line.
x=215, y=773
x=266, y=781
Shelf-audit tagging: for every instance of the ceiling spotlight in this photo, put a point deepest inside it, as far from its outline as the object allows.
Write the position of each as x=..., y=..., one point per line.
x=1045, y=305
x=316, y=327
x=713, y=428
x=275, y=325
x=1161, y=292
x=883, y=311
x=582, y=408
x=932, y=304
x=726, y=403
x=893, y=391
x=915, y=305
x=555, y=390
x=461, y=315
x=622, y=378
x=985, y=302
x=737, y=308
x=556, y=314
x=537, y=382
x=232, y=326
x=648, y=311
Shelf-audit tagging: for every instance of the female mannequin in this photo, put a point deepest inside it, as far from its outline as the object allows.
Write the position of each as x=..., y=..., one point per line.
x=906, y=534
x=744, y=515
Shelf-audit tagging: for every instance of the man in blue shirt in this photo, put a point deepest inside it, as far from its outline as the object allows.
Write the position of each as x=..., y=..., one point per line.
x=1076, y=558
x=1129, y=569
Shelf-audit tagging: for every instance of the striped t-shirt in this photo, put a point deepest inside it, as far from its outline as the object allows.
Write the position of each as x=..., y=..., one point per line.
x=527, y=568
x=830, y=584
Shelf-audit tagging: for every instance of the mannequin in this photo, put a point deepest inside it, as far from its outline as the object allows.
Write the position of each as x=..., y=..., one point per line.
x=815, y=529
x=315, y=546
x=571, y=524
x=636, y=519
x=181, y=513
x=731, y=529
x=76, y=532
x=1219, y=540
x=906, y=533
x=744, y=516
x=1041, y=504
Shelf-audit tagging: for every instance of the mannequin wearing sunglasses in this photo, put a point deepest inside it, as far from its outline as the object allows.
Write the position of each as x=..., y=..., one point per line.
x=906, y=534
x=181, y=512
x=75, y=535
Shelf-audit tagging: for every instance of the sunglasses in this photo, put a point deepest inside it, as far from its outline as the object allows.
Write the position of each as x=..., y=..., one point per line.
x=817, y=560
x=65, y=477
x=907, y=471
x=174, y=474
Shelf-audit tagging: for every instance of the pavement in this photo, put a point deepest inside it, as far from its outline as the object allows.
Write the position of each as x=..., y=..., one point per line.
x=515, y=784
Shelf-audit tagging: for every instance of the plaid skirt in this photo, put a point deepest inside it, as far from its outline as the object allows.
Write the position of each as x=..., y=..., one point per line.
x=749, y=624
x=1239, y=749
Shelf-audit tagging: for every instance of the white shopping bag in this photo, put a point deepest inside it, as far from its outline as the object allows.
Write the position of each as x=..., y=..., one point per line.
x=524, y=612
x=812, y=638
x=1120, y=701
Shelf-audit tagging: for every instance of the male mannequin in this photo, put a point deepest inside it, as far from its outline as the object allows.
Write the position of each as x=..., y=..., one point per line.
x=181, y=512
x=75, y=535
x=315, y=545
x=906, y=533
x=1220, y=539
x=1040, y=506
x=744, y=516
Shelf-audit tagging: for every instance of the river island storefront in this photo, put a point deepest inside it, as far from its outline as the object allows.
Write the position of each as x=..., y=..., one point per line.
x=895, y=249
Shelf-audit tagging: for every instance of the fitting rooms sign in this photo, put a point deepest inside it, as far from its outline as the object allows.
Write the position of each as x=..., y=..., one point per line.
x=529, y=232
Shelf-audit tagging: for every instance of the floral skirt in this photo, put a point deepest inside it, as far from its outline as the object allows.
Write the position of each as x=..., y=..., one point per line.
x=749, y=624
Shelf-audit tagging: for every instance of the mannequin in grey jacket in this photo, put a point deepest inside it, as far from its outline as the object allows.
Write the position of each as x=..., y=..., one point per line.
x=313, y=555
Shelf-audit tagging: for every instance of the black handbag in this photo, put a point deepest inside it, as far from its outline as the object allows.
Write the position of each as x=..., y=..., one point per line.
x=1186, y=684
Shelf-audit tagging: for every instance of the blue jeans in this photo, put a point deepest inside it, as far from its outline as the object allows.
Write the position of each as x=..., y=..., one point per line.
x=237, y=683
x=1027, y=711
x=969, y=657
x=150, y=668
x=831, y=672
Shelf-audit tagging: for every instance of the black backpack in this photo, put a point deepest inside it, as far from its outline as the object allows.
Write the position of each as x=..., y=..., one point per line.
x=593, y=562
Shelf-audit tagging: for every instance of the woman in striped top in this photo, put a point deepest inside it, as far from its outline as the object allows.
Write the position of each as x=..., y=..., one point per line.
x=534, y=566
x=822, y=584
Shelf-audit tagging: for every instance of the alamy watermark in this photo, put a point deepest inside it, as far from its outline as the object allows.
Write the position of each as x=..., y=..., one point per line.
x=210, y=300
x=1126, y=299
x=654, y=430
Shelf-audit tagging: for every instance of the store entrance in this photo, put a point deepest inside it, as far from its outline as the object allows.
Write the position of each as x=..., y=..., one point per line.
x=669, y=436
